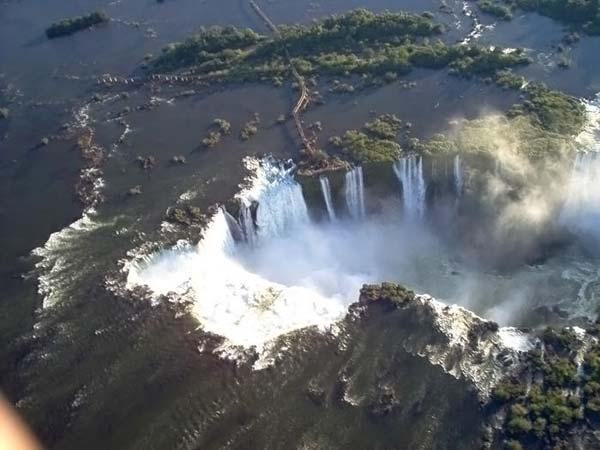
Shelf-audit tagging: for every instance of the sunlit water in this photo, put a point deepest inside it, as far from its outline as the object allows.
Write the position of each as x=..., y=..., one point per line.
x=291, y=272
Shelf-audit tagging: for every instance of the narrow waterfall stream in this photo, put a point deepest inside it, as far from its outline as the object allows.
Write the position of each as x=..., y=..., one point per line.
x=409, y=172
x=273, y=269
x=326, y=191
x=354, y=192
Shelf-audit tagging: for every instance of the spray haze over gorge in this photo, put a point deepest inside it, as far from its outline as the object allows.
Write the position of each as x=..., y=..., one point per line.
x=301, y=224
x=285, y=263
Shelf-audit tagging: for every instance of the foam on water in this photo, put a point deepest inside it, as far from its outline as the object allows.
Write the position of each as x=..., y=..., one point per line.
x=271, y=270
x=57, y=268
x=246, y=307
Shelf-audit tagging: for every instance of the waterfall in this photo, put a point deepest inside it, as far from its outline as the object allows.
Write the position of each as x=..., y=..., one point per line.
x=326, y=191
x=281, y=207
x=272, y=203
x=458, y=175
x=246, y=221
x=581, y=210
x=354, y=191
x=218, y=238
x=233, y=293
x=409, y=172
x=237, y=232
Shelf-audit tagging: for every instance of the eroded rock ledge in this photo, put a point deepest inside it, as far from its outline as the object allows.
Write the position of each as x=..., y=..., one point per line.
x=462, y=343
x=538, y=389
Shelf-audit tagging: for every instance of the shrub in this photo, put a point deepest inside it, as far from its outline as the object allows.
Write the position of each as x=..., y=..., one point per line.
x=513, y=445
x=495, y=9
x=361, y=148
x=69, y=26
x=519, y=425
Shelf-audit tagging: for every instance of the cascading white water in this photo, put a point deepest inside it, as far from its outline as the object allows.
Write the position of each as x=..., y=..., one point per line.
x=354, y=191
x=326, y=191
x=458, y=175
x=278, y=200
x=581, y=210
x=247, y=308
x=409, y=172
x=247, y=222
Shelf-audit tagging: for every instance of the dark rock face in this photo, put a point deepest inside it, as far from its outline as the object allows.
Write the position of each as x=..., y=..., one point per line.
x=463, y=344
x=186, y=215
x=146, y=162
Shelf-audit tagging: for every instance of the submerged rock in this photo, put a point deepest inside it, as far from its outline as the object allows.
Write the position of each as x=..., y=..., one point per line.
x=136, y=190
x=146, y=162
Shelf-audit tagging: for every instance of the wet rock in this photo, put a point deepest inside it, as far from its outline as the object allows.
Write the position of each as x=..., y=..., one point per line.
x=188, y=93
x=385, y=404
x=146, y=162
x=136, y=190
x=316, y=126
x=480, y=330
x=178, y=159
x=186, y=215
x=316, y=394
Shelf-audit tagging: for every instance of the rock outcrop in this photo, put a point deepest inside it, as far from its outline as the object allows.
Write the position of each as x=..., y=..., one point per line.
x=465, y=345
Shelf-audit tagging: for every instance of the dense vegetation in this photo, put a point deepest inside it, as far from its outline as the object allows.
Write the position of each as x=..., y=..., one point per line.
x=209, y=48
x=553, y=110
x=583, y=14
x=540, y=127
x=358, y=42
x=551, y=398
x=218, y=129
x=69, y=26
x=376, y=144
x=250, y=128
x=496, y=9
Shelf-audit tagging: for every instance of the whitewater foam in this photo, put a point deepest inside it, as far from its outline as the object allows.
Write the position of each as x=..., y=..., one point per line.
x=247, y=308
x=244, y=307
x=581, y=210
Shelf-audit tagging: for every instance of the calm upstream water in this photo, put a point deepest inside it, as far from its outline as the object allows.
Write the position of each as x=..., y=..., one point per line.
x=102, y=370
